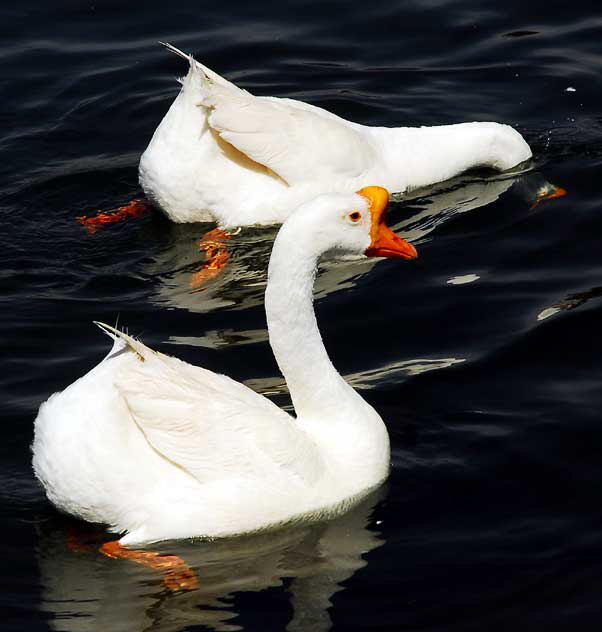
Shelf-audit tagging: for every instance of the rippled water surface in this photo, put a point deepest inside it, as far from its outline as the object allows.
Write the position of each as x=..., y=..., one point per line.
x=483, y=357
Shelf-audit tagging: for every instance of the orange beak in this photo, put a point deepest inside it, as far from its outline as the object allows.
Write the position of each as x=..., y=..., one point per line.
x=549, y=193
x=385, y=243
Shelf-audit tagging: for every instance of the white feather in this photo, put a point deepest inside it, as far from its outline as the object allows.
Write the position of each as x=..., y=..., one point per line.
x=221, y=153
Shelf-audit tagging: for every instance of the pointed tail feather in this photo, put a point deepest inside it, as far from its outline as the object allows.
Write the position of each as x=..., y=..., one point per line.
x=176, y=51
x=141, y=350
x=207, y=73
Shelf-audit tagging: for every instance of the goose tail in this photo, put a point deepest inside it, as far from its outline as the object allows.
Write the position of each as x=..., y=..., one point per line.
x=197, y=68
x=176, y=51
x=125, y=341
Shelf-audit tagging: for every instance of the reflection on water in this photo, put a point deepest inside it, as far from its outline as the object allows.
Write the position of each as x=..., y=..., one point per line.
x=86, y=591
x=463, y=279
x=242, y=282
x=388, y=374
x=217, y=338
x=570, y=302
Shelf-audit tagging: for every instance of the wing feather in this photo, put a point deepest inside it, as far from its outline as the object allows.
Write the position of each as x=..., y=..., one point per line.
x=208, y=424
x=300, y=144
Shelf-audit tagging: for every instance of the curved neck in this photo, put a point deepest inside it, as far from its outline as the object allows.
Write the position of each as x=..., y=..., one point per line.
x=435, y=154
x=315, y=386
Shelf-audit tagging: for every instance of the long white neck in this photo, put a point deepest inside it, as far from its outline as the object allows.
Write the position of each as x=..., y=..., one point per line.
x=316, y=388
x=434, y=154
x=351, y=435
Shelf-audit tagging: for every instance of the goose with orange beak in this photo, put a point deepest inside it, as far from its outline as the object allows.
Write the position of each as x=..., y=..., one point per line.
x=159, y=449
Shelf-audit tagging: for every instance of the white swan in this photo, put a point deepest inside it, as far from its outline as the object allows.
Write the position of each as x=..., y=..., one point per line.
x=221, y=153
x=160, y=449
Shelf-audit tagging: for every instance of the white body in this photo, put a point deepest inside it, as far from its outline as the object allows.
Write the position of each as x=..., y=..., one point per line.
x=161, y=449
x=221, y=153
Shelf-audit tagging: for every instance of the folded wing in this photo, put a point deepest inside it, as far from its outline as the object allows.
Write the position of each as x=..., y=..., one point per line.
x=208, y=424
x=299, y=143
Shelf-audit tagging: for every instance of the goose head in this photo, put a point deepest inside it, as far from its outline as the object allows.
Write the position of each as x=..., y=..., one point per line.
x=346, y=224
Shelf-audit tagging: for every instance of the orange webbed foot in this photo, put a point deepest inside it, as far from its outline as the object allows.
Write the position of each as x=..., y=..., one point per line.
x=135, y=208
x=177, y=575
x=212, y=243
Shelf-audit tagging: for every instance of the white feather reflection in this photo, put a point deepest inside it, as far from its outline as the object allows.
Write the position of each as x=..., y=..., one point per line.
x=241, y=283
x=571, y=301
x=87, y=592
x=388, y=374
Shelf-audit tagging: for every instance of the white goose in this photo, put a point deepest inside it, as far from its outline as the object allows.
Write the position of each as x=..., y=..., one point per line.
x=160, y=449
x=221, y=153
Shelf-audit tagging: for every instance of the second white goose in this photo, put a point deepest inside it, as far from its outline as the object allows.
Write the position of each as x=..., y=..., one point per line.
x=222, y=154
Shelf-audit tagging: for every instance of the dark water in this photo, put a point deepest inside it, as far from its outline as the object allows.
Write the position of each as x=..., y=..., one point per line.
x=491, y=519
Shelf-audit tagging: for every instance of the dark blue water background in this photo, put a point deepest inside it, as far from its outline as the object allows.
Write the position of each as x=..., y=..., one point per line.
x=490, y=387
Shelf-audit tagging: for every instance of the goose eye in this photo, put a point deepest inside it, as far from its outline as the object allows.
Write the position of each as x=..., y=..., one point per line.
x=354, y=217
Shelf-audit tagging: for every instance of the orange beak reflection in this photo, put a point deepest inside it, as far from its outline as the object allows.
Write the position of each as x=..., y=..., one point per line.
x=385, y=243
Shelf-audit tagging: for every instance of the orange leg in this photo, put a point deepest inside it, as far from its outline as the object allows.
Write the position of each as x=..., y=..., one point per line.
x=549, y=194
x=134, y=208
x=177, y=575
x=217, y=256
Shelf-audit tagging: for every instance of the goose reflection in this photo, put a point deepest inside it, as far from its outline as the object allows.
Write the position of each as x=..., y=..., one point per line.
x=571, y=301
x=83, y=591
x=241, y=283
